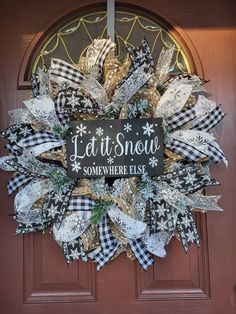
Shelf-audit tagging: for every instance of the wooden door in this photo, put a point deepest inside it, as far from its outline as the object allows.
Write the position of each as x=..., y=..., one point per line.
x=34, y=277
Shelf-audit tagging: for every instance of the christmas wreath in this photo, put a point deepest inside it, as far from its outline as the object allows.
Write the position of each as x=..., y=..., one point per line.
x=97, y=217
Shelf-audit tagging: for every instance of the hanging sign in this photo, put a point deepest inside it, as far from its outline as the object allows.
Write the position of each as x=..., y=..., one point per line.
x=115, y=148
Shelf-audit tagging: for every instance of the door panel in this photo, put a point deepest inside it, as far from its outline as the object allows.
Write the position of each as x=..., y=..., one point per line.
x=48, y=279
x=34, y=276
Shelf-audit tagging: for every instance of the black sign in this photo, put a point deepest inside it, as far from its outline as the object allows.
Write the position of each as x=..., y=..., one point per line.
x=115, y=148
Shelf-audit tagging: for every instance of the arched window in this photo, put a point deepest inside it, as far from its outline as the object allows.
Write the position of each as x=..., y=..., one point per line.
x=72, y=39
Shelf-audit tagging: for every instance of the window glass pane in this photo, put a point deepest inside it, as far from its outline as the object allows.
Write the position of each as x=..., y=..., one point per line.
x=72, y=39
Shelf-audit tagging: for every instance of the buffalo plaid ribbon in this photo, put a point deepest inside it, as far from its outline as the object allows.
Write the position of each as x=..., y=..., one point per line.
x=215, y=153
x=82, y=203
x=180, y=118
x=143, y=256
x=16, y=182
x=38, y=138
x=212, y=119
x=189, y=152
x=103, y=54
x=109, y=244
x=66, y=71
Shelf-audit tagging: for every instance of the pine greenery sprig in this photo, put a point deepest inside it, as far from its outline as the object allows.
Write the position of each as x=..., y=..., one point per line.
x=60, y=179
x=100, y=208
x=60, y=130
x=161, y=89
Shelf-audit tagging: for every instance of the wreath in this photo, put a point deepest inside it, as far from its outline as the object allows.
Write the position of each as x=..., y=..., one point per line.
x=98, y=218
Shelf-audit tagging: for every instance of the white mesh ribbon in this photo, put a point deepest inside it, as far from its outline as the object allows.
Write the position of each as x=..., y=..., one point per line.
x=92, y=88
x=163, y=63
x=32, y=192
x=5, y=166
x=42, y=108
x=155, y=243
x=130, y=227
x=173, y=100
x=72, y=226
x=18, y=116
x=205, y=203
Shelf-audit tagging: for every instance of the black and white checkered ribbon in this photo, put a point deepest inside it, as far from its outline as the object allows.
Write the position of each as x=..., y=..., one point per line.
x=103, y=54
x=38, y=138
x=187, y=151
x=59, y=103
x=143, y=256
x=14, y=150
x=212, y=119
x=16, y=182
x=109, y=244
x=66, y=71
x=216, y=154
x=179, y=119
x=187, y=229
x=82, y=203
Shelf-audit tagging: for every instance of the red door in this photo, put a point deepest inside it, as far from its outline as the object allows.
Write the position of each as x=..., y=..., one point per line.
x=34, y=277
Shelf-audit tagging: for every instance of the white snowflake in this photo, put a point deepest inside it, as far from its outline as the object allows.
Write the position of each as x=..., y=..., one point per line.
x=186, y=222
x=78, y=223
x=57, y=197
x=110, y=160
x=99, y=131
x=176, y=183
x=176, y=166
x=12, y=137
x=73, y=101
x=148, y=129
x=43, y=116
x=81, y=129
x=118, y=186
x=53, y=210
x=127, y=127
x=161, y=210
x=75, y=254
x=162, y=225
x=190, y=178
x=28, y=225
x=76, y=166
x=87, y=103
x=25, y=131
x=190, y=236
x=153, y=162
